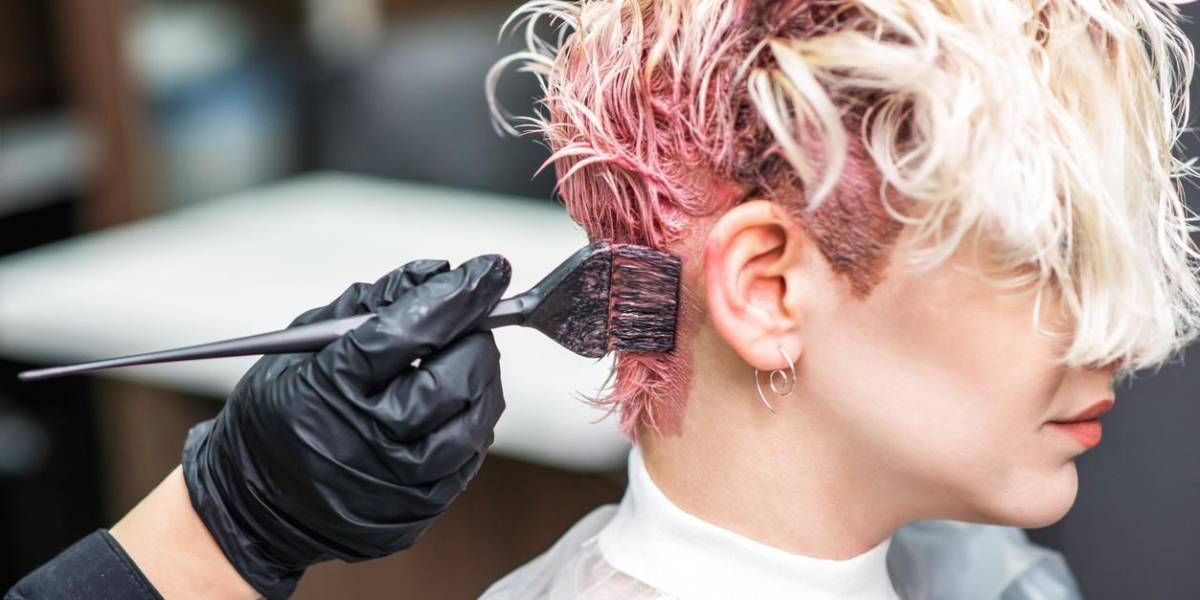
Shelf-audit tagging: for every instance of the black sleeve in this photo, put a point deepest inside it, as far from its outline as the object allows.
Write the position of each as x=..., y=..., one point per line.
x=95, y=568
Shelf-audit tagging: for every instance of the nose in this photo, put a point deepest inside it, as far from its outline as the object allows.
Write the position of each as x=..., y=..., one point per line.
x=1113, y=367
x=1101, y=378
x=1096, y=378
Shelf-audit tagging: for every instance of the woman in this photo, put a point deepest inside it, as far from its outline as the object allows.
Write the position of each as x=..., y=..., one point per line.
x=921, y=239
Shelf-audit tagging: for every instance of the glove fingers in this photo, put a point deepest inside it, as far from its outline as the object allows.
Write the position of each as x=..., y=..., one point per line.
x=363, y=297
x=423, y=320
x=420, y=501
x=448, y=488
x=444, y=450
x=359, y=298
x=339, y=304
x=391, y=287
x=444, y=385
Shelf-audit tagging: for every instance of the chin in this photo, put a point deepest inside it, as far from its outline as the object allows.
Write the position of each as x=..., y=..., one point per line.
x=1036, y=500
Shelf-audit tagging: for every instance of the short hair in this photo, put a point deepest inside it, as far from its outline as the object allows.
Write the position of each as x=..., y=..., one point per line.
x=1048, y=125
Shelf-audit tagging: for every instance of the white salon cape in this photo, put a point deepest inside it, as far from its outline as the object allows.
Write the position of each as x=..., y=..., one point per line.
x=648, y=548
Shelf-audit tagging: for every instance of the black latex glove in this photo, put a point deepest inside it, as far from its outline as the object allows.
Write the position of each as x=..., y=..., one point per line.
x=351, y=452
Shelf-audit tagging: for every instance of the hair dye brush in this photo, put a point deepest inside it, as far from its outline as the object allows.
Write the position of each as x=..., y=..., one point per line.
x=604, y=297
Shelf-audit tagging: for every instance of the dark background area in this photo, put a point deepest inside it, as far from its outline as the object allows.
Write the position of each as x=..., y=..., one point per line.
x=115, y=124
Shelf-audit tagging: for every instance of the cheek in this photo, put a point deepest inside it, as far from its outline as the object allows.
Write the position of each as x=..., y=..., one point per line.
x=950, y=395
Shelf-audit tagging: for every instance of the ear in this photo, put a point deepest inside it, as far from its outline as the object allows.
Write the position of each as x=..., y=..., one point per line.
x=756, y=262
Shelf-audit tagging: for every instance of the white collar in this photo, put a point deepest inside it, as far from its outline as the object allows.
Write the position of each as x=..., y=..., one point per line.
x=658, y=543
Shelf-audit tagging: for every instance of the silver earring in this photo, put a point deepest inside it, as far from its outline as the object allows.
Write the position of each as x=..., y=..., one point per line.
x=779, y=381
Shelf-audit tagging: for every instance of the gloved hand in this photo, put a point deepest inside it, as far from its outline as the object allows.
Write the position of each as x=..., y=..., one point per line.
x=351, y=452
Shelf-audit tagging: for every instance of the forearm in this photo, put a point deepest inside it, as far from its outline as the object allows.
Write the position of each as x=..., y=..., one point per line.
x=170, y=544
x=159, y=550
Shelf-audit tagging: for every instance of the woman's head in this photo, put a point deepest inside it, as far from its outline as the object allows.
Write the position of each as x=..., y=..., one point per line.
x=955, y=216
x=935, y=383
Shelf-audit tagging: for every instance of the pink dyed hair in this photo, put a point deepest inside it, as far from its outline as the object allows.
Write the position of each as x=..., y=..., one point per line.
x=650, y=119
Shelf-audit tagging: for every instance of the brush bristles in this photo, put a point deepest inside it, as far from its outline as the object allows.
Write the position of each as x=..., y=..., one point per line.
x=643, y=300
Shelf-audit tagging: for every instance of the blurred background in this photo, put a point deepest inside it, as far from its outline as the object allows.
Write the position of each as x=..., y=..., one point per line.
x=120, y=112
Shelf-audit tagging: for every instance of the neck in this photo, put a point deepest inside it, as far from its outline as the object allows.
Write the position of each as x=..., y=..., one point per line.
x=783, y=480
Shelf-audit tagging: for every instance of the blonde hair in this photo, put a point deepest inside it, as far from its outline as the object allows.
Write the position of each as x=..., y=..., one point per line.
x=1049, y=124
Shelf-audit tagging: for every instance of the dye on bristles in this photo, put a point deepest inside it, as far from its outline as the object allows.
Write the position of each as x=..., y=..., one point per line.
x=644, y=299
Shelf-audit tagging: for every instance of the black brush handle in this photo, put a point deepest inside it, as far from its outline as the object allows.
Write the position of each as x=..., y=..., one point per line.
x=302, y=338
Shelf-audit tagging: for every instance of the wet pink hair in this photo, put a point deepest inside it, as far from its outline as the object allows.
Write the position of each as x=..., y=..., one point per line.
x=649, y=116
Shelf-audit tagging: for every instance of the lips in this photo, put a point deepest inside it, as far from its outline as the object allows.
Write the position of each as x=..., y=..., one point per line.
x=1085, y=426
x=1092, y=412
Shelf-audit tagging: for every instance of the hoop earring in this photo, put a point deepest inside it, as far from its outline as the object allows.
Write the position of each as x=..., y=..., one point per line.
x=778, y=381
